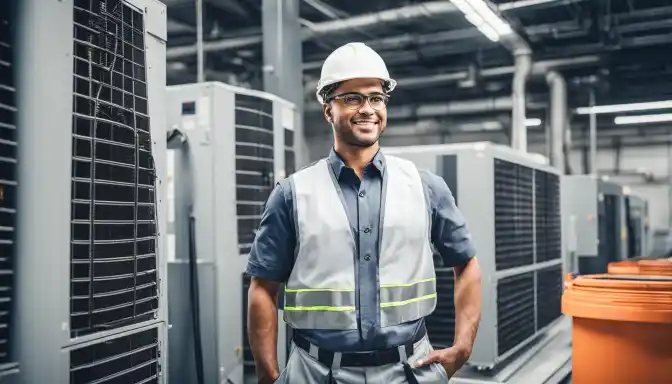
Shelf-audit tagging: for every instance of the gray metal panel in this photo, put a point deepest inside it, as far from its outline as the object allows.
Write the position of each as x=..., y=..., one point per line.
x=44, y=174
x=580, y=212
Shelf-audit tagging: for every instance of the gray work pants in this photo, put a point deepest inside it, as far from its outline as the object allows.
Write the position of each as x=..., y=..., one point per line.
x=302, y=368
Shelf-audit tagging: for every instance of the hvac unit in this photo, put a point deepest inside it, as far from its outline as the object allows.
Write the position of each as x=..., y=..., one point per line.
x=229, y=146
x=637, y=220
x=91, y=149
x=511, y=203
x=8, y=185
x=595, y=216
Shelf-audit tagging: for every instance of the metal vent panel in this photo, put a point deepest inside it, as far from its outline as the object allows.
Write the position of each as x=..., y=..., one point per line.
x=254, y=164
x=441, y=323
x=515, y=311
x=7, y=178
x=131, y=358
x=290, y=156
x=514, y=215
x=548, y=237
x=113, y=274
x=549, y=295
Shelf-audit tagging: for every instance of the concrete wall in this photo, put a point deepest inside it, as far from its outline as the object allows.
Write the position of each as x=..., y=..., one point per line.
x=652, y=159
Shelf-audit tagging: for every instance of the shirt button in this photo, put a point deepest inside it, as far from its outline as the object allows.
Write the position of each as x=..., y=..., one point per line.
x=367, y=257
x=367, y=230
x=362, y=193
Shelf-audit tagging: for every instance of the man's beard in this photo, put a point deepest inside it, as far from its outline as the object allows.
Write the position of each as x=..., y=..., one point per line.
x=350, y=137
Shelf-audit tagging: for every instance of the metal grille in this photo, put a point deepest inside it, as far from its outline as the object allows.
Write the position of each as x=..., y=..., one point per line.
x=128, y=359
x=547, y=216
x=514, y=208
x=441, y=323
x=515, y=311
x=290, y=158
x=549, y=295
x=254, y=164
x=7, y=177
x=114, y=281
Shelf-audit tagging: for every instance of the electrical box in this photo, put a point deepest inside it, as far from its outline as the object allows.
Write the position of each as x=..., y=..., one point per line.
x=594, y=209
x=230, y=146
x=511, y=203
x=90, y=269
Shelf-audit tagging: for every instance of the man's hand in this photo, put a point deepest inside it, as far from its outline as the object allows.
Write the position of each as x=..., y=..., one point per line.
x=451, y=359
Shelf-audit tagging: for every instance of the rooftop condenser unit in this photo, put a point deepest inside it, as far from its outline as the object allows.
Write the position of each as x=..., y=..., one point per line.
x=90, y=197
x=595, y=211
x=8, y=184
x=229, y=147
x=511, y=203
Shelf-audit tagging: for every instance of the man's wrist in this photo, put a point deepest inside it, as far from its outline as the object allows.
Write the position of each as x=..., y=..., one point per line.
x=463, y=351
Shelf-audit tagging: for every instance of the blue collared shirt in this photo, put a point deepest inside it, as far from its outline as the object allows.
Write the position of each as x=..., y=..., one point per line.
x=272, y=254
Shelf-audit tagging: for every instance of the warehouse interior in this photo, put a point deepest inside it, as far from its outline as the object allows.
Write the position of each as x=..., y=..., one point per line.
x=141, y=139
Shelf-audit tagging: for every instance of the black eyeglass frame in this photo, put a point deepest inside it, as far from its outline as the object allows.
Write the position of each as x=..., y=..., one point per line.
x=365, y=98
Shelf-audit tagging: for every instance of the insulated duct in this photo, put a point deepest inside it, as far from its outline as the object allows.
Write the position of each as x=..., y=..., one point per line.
x=523, y=69
x=558, y=91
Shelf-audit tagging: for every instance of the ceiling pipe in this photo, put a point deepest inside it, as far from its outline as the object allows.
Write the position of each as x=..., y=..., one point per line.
x=558, y=91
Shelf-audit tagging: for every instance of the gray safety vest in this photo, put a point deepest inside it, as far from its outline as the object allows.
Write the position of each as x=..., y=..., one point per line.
x=320, y=292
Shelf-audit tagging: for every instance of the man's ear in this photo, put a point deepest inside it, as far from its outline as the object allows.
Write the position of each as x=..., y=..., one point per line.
x=326, y=110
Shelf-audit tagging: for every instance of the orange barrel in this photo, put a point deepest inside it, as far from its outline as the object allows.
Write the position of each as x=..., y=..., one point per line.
x=641, y=267
x=621, y=328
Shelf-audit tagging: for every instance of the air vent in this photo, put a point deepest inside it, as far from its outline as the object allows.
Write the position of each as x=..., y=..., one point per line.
x=549, y=295
x=114, y=280
x=441, y=323
x=254, y=164
x=132, y=358
x=515, y=311
x=547, y=216
x=514, y=212
x=248, y=358
x=290, y=157
x=7, y=177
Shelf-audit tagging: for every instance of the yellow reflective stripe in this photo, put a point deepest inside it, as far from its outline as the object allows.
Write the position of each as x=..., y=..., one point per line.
x=320, y=290
x=399, y=303
x=319, y=308
x=409, y=284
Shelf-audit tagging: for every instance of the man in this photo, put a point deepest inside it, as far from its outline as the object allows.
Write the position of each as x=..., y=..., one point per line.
x=351, y=236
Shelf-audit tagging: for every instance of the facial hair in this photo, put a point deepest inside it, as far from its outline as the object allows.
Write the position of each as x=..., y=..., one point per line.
x=346, y=132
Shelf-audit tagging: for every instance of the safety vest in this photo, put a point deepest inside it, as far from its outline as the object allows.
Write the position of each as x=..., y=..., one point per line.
x=320, y=292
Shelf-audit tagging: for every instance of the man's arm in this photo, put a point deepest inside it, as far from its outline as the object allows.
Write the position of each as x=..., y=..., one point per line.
x=452, y=241
x=270, y=263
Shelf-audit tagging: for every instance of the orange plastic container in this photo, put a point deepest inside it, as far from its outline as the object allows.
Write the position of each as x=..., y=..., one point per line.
x=642, y=267
x=621, y=328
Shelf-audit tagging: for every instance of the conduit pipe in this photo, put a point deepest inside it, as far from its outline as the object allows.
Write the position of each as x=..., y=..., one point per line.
x=558, y=92
x=523, y=68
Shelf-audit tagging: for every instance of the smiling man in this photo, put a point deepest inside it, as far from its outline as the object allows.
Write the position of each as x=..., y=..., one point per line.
x=352, y=237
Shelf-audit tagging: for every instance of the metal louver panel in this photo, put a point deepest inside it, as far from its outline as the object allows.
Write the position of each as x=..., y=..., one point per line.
x=290, y=157
x=441, y=323
x=114, y=269
x=549, y=295
x=254, y=164
x=547, y=216
x=7, y=179
x=515, y=311
x=514, y=212
x=133, y=358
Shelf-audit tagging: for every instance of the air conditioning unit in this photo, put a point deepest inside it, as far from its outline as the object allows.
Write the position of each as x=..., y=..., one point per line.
x=511, y=204
x=229, y=146
x=637, y=219
x=91, y=146
x=8, y=183
x=596, y=215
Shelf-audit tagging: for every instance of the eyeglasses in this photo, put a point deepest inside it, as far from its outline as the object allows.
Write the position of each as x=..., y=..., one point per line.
x=354, y=100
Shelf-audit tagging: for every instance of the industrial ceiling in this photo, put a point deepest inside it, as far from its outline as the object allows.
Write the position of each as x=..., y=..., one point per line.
x=448, y=71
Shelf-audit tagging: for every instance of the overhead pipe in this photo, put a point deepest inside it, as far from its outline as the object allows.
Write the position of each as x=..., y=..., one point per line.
x=522, y=54
x=558, y=92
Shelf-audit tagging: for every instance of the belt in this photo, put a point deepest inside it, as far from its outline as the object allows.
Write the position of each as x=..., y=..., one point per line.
x=361, y=359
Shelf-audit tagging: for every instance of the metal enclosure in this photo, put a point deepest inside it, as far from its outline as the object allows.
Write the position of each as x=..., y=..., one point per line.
x=511, y=203
x=637, y=222
x=233, y=145
x=595, y=216
x=91, y=146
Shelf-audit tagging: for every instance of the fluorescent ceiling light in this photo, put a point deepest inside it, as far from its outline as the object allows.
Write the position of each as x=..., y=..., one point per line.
x=624, y=107
x=643, y=119
x=532, y=122
x=479, y=13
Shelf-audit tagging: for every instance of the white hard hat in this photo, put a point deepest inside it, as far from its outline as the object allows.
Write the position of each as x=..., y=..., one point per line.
x=353, y=61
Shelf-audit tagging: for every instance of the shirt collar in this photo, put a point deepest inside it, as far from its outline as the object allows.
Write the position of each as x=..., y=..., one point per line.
x=338, y=165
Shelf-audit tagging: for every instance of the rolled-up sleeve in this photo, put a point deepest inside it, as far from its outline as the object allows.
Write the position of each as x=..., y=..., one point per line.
x=272, y=253
x=449, y=233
